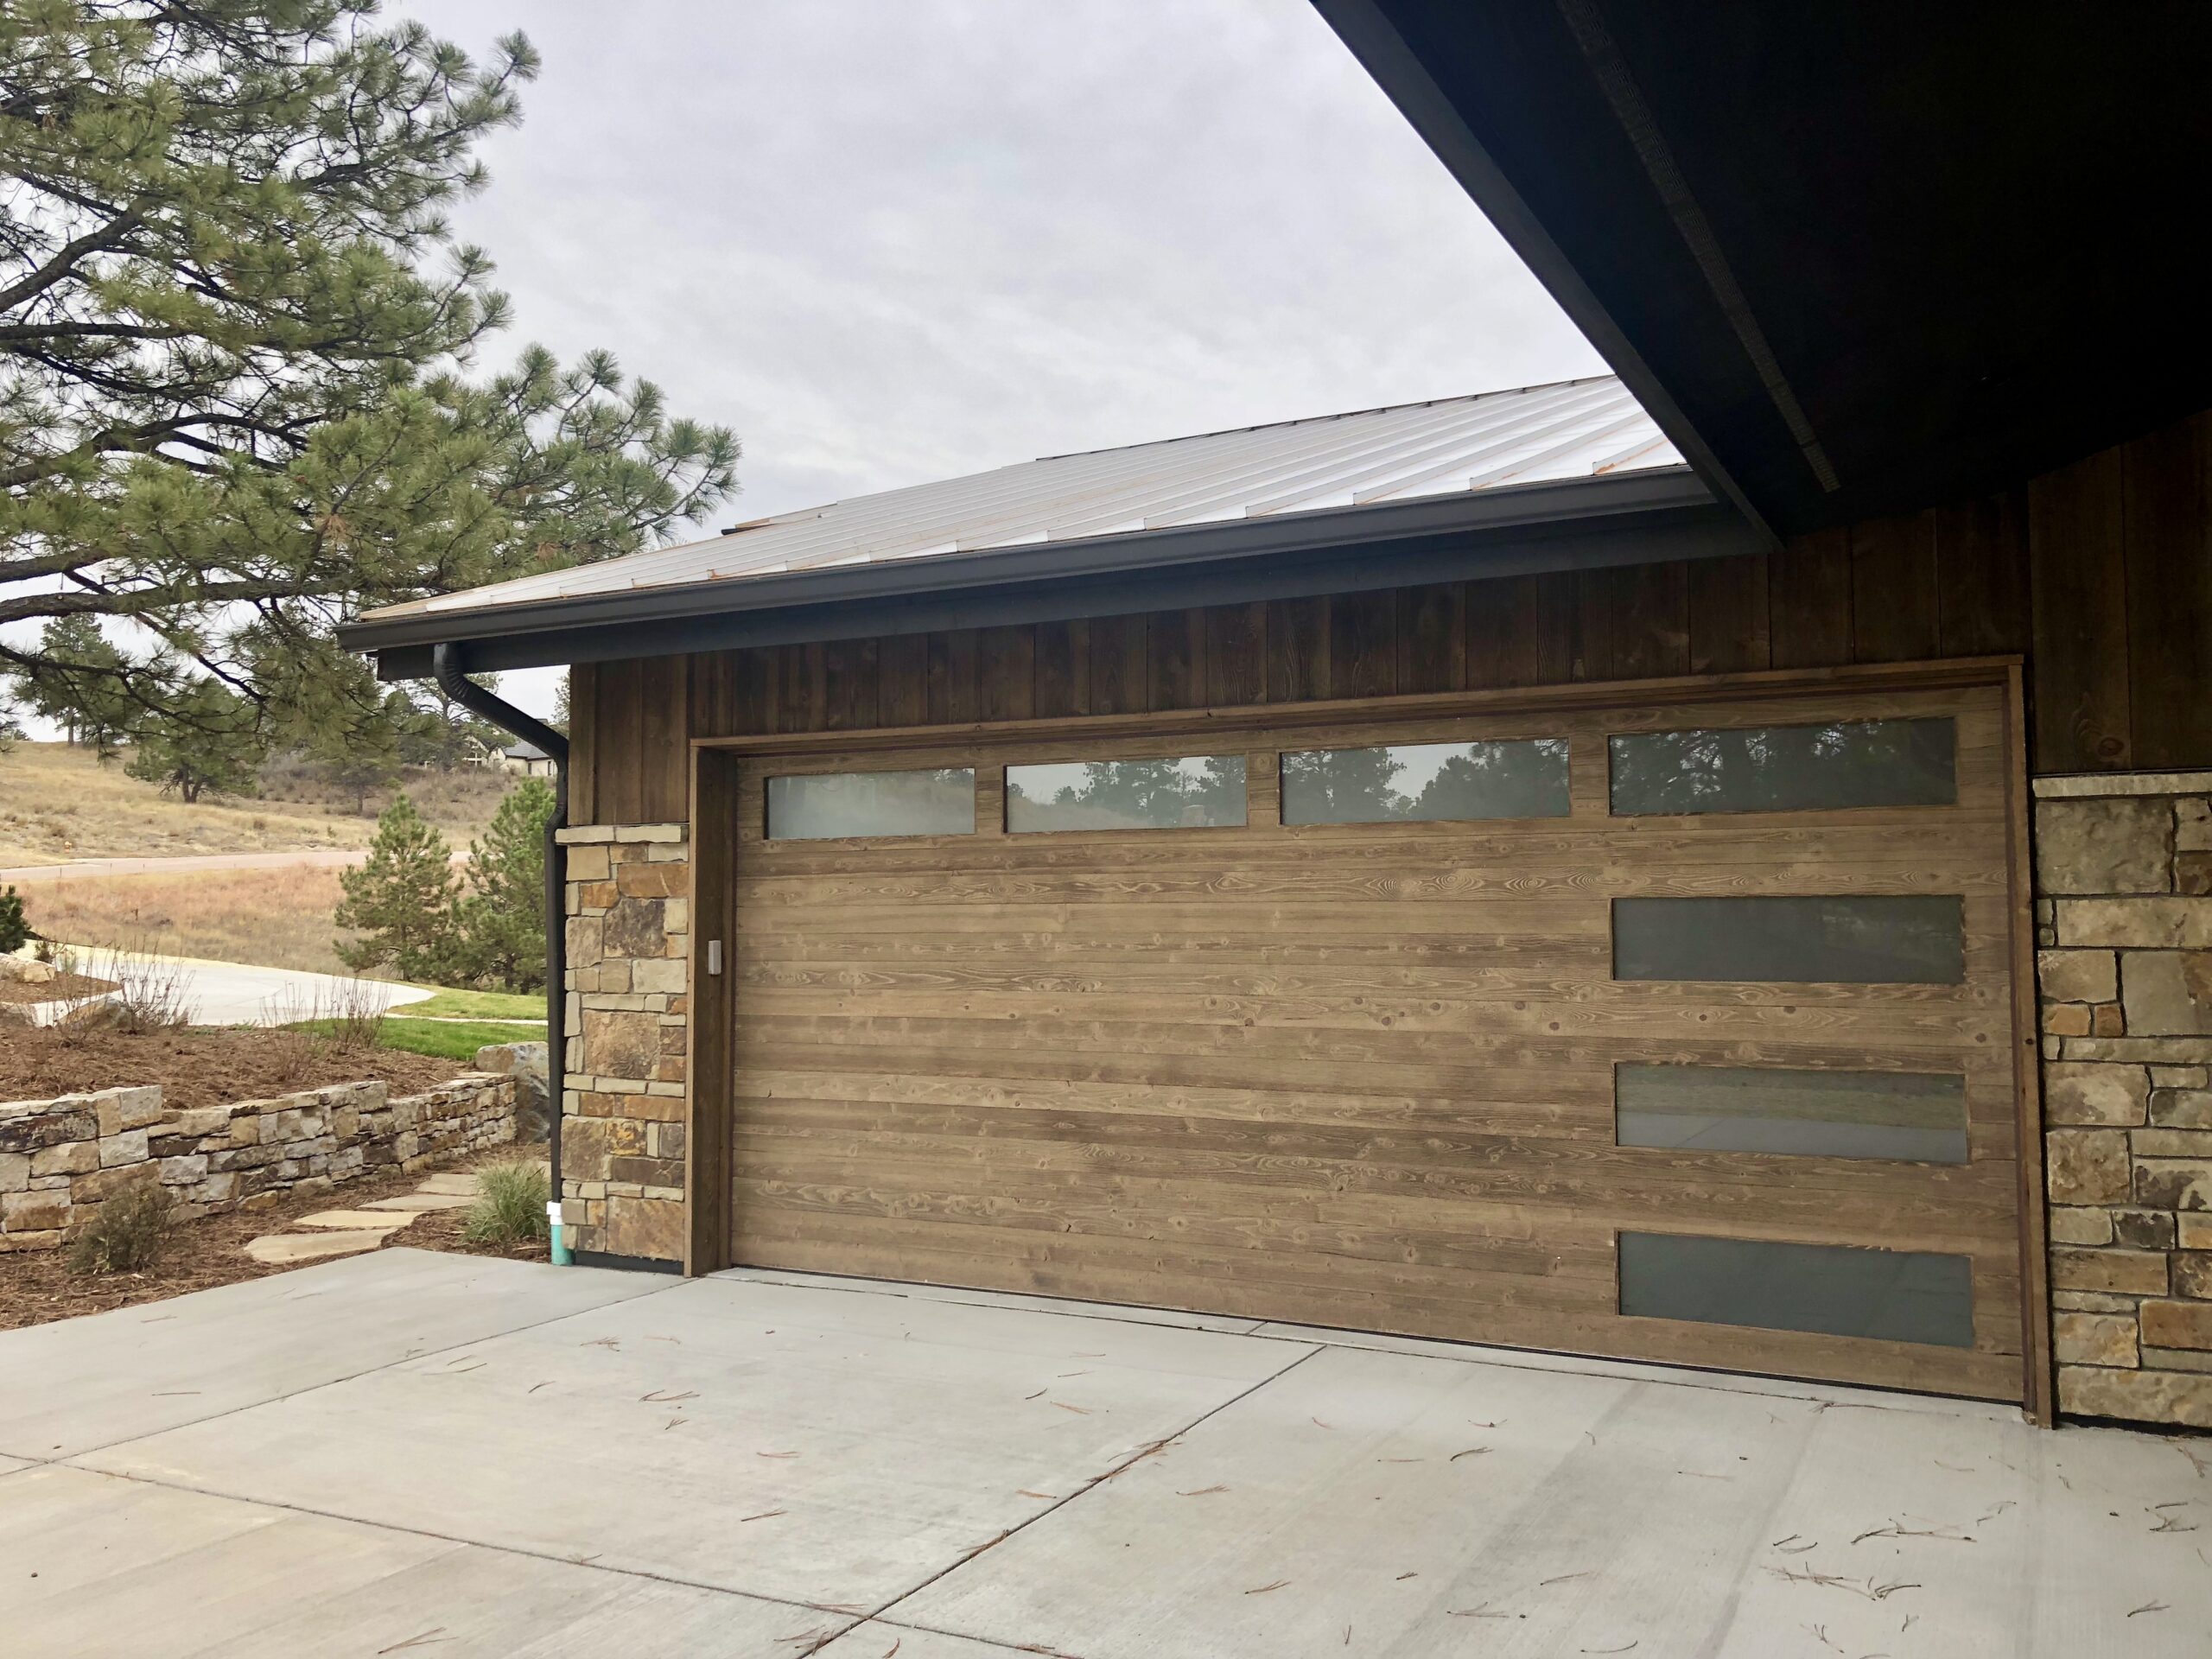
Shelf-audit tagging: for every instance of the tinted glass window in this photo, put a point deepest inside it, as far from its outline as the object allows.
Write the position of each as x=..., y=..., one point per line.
x=1889, y=1295
x=1413, y=782
x=819, y=807
x=1912, y=940
x=1194, y=792
x=1915, y=1115
x=1787, y=768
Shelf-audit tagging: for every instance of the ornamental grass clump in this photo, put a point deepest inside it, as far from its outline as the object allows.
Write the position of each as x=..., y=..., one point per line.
x=511, y=1207
x=129, y=1233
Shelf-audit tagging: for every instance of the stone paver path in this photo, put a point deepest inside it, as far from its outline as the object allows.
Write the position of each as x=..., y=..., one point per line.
x=350, y=1232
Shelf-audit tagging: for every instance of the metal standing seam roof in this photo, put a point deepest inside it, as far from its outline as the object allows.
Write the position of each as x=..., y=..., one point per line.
x=1568, y=431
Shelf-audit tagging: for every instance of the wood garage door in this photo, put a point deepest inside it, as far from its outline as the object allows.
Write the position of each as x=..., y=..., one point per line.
x=1699, y=1050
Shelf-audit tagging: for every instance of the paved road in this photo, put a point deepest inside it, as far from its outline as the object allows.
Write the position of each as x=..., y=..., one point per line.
x=376, y=1456
x=231, y=993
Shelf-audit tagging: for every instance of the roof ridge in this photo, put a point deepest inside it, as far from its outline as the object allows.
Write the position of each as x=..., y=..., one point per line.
x=1315, y=420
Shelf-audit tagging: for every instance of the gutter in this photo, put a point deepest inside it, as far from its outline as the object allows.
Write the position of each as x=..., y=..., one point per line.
x=1549, y=511
x=446, y=667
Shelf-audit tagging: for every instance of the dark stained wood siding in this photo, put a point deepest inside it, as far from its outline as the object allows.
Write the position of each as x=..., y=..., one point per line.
x=2100, y=574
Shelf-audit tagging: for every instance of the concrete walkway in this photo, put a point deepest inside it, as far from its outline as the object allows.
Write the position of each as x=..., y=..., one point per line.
x=234, y=993
x=405, y=1450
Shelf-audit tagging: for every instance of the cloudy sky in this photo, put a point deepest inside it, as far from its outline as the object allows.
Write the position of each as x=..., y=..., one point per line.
x=894, y=241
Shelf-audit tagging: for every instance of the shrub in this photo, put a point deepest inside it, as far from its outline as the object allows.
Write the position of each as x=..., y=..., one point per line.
x=151, y=993
x=15, y=932
x=128, y=1233
x=512, y=1207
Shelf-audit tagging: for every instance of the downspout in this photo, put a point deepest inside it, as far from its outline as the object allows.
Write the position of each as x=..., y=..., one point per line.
x=445, y=662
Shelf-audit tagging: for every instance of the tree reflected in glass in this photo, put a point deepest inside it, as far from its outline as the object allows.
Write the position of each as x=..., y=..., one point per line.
x=1787, y=768
x=1190, y=792
x=1409, y=783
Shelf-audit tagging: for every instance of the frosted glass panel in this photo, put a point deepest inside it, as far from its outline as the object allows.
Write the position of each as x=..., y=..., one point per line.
x=1917, y=1116
x=1787, y=768
x=1192, y=793
x=1426, y=782
x=1836, y=1290
x=1911, y=940
x=827, y=806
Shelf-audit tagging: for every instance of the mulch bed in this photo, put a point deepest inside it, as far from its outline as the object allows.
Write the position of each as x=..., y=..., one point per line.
x=201, y=1065
x=38, y=1285
x=62, y=987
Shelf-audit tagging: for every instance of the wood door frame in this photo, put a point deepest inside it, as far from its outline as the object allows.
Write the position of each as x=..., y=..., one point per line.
x=714, y=768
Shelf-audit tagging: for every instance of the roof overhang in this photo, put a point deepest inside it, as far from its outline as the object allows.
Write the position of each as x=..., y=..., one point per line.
x=1622, y=519
x=1855, y=259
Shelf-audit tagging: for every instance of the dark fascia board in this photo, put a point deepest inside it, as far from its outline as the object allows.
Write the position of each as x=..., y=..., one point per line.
x=1662, y=513
x=1382, y=52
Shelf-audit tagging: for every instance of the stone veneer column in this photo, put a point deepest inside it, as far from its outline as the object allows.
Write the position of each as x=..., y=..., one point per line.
x=623, y=1099
x=2124, y=966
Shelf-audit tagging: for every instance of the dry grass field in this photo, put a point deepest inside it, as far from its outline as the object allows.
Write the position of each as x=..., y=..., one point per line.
x=59, y=803
x=277, y=919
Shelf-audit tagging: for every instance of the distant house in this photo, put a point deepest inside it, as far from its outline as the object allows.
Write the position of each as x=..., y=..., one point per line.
x=525, y=758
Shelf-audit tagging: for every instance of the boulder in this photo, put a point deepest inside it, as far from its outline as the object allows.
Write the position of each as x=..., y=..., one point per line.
x=525, y=1063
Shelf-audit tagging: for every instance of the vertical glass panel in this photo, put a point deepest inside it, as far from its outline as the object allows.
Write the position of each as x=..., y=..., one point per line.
x=1524, y=778
x=1917, y=1116
x=1836, y=1290
x=1910, y=940
x=1787, y=768
x=1195, y=791
x=825, y=805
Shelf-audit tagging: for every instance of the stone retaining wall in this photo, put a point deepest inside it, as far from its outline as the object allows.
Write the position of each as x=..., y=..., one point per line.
x=624, y=1097
x=60, y=1159
x=2124, y=927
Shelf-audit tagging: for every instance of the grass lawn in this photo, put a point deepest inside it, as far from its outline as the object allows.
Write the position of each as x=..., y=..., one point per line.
x=478, y=1005
x=452, y=1040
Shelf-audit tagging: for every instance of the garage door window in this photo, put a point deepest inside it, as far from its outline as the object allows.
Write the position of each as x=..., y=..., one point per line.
x=1787, y=768
x=1836, y=1290
x=1192, y=791
x=832, y=805
x=1902, y=940
x=1915, y=1117
x=1426, y=782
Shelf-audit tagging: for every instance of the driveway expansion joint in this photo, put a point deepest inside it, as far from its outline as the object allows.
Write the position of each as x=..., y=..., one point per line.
x=1151, y=1449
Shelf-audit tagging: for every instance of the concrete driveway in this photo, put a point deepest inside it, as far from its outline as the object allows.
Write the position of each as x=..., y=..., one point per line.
x=407, y=1452
x=235, y=993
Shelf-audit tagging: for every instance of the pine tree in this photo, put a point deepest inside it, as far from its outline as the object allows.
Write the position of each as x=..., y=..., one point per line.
x=210, y=740
x=15, y=932
x=402, y=900
x=77, y=684
x=501, y=924
x=238, y=396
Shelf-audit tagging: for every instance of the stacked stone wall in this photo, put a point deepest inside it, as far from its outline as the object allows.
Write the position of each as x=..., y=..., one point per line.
x=2124, y=927
x=61, y=1159
x=625, y=1097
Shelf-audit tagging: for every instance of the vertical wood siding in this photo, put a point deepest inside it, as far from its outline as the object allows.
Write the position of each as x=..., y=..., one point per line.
x=2100, y=572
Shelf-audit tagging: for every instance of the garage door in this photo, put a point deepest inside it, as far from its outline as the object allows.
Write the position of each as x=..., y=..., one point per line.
x=1673, y=1034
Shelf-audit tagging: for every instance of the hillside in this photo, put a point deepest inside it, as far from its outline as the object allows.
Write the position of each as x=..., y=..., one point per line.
x=59, y=803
